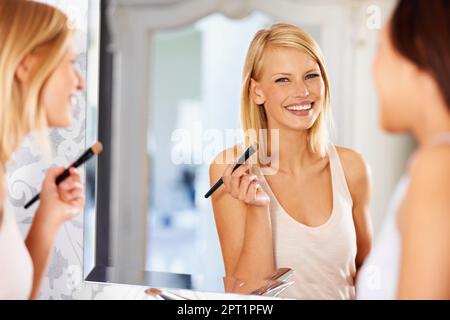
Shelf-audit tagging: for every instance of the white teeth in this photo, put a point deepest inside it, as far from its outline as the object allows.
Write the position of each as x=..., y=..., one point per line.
x=298, y=108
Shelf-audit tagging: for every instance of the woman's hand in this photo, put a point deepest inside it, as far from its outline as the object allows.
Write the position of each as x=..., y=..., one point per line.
x=244, y=186
x=57, y=205
x=63, y=202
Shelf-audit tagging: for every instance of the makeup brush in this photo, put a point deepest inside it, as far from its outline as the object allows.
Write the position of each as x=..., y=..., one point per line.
x=95, y=149
x=240, y=162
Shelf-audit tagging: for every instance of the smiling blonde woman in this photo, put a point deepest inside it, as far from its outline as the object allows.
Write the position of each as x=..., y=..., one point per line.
x=312, y=214
x=37, y=81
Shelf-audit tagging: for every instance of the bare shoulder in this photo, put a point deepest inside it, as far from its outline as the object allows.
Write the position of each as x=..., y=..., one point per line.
x=430, y=170
x=424, y=220
x=223, y=159
x=356, y=169
x=434, y=159
x=426, y=206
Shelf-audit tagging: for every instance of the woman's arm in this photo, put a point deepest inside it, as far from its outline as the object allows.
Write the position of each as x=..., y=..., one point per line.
x=244, y=229
x=357, y=174
x=424, y=222
x=39, y=241
x=57, y=205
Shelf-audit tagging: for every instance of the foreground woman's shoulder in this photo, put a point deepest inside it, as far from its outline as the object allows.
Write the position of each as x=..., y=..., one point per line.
x=431, y=166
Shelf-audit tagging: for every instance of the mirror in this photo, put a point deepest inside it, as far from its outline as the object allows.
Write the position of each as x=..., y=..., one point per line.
x=168, y=76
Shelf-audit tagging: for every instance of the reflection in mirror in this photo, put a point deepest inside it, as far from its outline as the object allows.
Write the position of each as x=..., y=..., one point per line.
x=169, y=102
x=182, y=97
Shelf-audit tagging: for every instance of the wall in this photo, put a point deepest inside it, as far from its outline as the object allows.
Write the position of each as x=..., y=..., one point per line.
x=172, y=81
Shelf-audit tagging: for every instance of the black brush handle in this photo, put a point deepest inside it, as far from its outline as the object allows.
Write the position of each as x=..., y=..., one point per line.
x=63, y=176
x=33, y=200
x=240, y=162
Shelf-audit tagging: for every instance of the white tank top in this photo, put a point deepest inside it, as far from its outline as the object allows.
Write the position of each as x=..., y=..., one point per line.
x=323, y=257
x=378, y=277
x=16, y=266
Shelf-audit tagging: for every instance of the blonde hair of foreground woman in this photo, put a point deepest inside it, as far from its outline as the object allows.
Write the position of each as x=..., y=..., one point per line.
x=43, y=31
x=27, y=27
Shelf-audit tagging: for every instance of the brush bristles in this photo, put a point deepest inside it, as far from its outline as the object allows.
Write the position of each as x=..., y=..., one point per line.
x=97, y=148
x=153, y=291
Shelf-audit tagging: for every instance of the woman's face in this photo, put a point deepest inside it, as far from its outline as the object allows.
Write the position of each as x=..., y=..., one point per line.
x=291, y=88
x=400, y=93
x=58, y=92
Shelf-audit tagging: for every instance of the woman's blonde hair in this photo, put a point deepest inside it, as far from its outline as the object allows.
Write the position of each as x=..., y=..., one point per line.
x=27, y=27
x=253, y=117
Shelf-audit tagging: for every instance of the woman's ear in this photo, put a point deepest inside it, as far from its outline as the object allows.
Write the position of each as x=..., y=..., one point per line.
x=256, y=93
x=24, y=69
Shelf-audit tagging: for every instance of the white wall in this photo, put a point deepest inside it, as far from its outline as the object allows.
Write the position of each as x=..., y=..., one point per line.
x=386, y=154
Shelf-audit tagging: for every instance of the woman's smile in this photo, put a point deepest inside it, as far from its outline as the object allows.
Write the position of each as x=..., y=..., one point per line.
x=302, y=109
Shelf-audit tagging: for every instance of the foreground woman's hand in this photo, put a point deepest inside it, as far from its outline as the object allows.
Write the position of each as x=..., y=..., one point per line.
x=57, y=205
x=63, y=202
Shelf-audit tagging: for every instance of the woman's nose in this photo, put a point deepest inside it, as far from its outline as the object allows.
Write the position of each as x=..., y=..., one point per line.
x=301, y=89
x=81, y=82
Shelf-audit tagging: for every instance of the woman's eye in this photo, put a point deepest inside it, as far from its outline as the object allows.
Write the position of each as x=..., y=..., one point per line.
x=282, y=80
x=312, y=75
